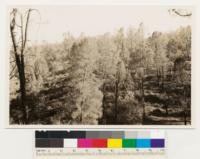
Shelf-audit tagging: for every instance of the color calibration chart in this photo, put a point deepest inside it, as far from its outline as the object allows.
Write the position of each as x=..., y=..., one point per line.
x=100, y=144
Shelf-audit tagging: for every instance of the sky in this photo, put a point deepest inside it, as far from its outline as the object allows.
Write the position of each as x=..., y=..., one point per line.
x=53, y=21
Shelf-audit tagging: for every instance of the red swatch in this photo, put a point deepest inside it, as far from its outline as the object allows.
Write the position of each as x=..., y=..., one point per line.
x=99, y=143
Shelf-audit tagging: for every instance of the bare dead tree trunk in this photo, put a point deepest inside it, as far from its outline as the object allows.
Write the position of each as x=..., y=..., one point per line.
x=22, y=82
x=19, y=57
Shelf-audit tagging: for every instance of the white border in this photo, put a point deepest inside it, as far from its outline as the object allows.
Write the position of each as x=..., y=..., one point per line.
x=103, y=2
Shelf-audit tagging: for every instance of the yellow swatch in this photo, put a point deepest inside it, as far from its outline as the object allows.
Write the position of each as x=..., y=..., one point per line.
x=114, y=143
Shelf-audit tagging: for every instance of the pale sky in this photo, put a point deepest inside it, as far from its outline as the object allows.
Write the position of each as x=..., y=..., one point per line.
x=93, y=20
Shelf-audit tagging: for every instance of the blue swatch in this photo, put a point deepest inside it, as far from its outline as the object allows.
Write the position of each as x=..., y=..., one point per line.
x=143, y=143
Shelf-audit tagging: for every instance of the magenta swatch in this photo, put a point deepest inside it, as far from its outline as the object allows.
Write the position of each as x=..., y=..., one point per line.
x=84, y=143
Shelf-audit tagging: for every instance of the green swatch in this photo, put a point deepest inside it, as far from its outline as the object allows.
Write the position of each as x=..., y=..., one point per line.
x=129, y=143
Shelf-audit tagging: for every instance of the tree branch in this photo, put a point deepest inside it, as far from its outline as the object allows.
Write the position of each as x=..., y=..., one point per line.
x=22, y=35
x=12, y=27
x=26, y=29
x=12, y=73
x=182, y=14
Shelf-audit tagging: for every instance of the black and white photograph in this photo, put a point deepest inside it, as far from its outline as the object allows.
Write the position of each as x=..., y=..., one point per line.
x=100, y=65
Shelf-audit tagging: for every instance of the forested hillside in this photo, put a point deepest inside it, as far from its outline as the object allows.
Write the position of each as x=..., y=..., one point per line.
x=120, y=78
